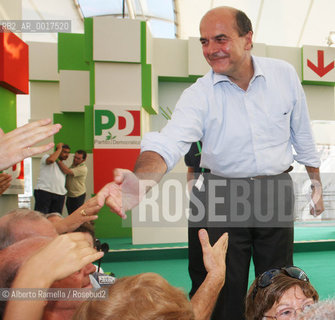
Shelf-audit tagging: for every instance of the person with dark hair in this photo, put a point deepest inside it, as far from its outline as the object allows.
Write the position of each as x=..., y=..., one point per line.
x=250, y=114
x=75, y=181
x=50, y=189
x=280, y=294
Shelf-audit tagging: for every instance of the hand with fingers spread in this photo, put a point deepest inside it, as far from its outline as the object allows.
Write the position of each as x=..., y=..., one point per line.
x=214, y=257
x=17, y=144
x=5, y=180
x=125, y=192
x=66, y=254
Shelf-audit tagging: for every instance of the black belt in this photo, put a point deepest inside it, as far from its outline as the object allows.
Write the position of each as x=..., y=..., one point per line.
x=262, y=177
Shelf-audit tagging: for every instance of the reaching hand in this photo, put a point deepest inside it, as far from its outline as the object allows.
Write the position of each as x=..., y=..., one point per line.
x=124, y=193
x=5, y=180
x=66, y=254
x=17, y=144
x=214, y=256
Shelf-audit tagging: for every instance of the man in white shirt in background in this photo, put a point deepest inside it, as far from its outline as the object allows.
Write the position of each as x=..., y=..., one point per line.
x=50, y=189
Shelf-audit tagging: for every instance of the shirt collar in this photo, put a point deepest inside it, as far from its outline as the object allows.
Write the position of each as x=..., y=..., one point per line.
x=257, y=73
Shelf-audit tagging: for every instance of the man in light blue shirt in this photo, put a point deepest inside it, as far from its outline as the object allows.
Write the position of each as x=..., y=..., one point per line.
x=249, y=112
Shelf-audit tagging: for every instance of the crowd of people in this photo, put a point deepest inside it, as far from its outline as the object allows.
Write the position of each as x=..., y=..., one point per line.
x=41, y=249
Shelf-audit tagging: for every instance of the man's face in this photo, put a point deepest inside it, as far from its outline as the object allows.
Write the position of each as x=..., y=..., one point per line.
x=77, y=159
x=223, y=48
x=64, y=154
x=79, y=279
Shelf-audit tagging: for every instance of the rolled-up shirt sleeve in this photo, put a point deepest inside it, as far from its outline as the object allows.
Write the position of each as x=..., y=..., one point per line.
x=301, y=132
x=185, y=127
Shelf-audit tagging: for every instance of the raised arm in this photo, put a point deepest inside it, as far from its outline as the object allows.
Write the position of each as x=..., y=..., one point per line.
x=66, y=254
x=65, y=169
x=204, y=299
x=54, y=156
x=128, y=188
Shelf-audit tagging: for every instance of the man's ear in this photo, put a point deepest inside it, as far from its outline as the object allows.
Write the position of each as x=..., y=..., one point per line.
x=248, y=40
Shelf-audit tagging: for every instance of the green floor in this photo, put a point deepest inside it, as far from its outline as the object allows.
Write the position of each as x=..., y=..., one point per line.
x=314, y=253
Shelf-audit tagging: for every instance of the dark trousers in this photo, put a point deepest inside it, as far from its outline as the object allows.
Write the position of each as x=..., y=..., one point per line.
x=73, y=203
x=258, y=215
x=47, y=202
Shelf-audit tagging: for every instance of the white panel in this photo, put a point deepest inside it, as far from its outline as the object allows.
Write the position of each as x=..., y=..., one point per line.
x=44, y=99
x=154, y=89
x=11, y=10
x=74, y=90
x=259, y=49
x=43, y=61
x=321, y=102
x=116, y=39
x=118, y=84
x=150, y=46
x=290, y=54
x=145, y=122
x=169, y=93
x=324, y=132
x=167, y=224
x=171, y=57
x=197, y=64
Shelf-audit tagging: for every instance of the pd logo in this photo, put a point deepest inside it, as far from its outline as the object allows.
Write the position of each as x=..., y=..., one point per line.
x=117, y=127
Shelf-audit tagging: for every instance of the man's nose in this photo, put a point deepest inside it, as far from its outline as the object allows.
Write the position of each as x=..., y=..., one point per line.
x=213, y=47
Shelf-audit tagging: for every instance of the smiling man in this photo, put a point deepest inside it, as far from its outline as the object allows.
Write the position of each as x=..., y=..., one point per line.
x=249, y=113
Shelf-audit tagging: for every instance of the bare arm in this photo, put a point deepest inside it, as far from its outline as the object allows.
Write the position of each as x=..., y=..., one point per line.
x=150, y=166
x=67, y=254
x=317, y=198
x=204, y=299
x=128, y=188
x=85, y=213
x=53, y=157
x=65, y=169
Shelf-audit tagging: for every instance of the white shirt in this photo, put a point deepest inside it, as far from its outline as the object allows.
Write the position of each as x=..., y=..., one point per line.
x=51, y=178
x=244, y=133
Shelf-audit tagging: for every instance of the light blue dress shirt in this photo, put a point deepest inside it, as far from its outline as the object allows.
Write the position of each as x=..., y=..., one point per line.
x=244, y=133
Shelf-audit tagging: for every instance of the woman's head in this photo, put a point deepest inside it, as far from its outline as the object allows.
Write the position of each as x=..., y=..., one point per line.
x=146, y=296
x=278, y=293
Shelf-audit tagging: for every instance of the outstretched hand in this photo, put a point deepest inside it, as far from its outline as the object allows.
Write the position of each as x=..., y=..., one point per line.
x=214, y=257
x=17, y=144
x=124, y=193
